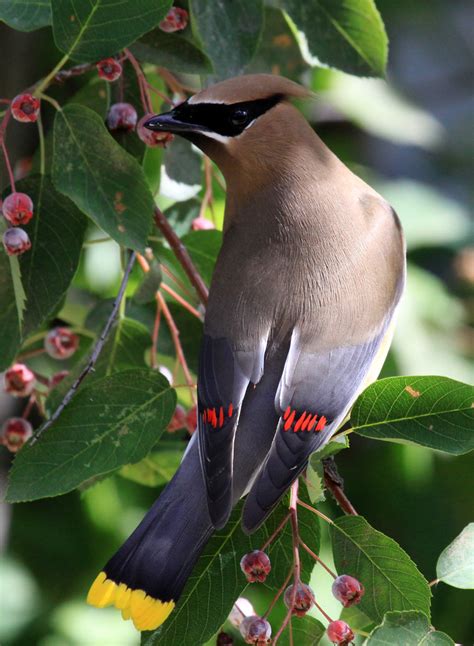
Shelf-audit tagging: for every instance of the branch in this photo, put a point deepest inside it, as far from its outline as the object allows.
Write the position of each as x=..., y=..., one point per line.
x=182, y=255
x=94, y=356
x=335, y=484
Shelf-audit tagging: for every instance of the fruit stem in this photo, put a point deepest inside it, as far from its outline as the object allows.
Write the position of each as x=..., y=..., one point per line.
x=316, y=558
x=181, y=301
x=47, y=79
x=276, y=532
x=315, y=511
x=142, y=82
x=8, y=165
x=49, y=99
x=278, y=594
x=325, y=615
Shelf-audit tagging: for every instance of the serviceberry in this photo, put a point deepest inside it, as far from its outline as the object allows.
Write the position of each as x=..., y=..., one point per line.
x=121, y=116
x=16, y=431
x=18, y=208
x=304, y=599
x=61, y=343
x=256, y=566
x=201, y=223
x=339, y=632
x=255, y=630
x=25, y=108
x=348, y=590
x=16, y=241
x=152, y=138
x=175, y=20
x=109, y=69
x=19, y=380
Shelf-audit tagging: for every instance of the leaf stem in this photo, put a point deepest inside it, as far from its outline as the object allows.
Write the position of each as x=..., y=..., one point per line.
x=41, y=144
x=316, y=558
x=315, y=511
x=276, y=532
x=94, y=355
x=47, y=79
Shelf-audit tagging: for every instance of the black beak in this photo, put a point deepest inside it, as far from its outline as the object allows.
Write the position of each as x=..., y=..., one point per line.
x=170, y=122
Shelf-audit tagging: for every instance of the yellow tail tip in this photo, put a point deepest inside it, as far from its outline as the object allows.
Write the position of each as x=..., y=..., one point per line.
x=146, y=612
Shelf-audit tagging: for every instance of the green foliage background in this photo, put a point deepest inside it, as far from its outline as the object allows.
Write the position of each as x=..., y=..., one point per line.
x=408, y=136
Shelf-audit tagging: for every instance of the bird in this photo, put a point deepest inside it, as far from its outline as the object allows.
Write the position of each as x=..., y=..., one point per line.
x=300, y=318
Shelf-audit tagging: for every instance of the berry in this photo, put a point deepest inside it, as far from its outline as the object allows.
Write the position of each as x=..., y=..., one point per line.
x=256, y=566
x=199, y=224
x=16, y=241
x=191, y=419
x=19, y=380
x=61, y=343
x=152, y=138
x=18, y=208
x=255, y=630
x=347, y=590
x=223, y=639
x=121, y=116
x=178, y=421
x=109, y=69
x=16, y=431
x=175, y=20
x=242, y=608
x=25, y=108
x=304, y=599
x=339, y=632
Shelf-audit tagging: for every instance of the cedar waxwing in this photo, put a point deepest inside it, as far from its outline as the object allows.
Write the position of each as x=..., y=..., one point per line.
x=299, y=321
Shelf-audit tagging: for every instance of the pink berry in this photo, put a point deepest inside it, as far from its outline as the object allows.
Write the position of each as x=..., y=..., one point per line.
x=339, y=632
x=121, y=116
x=61, y=343
x=152, y=138
x=16, y=431
x=175, y=20
x=16, y=241
x=178, y=421
x=19, y=380
x=348, y=590
x=256, y=566
x=25, y=108
x=255, y=630
x=200, y=224
x=304, y=599
x=18, y=208
x=109, y=69
x=191, y=419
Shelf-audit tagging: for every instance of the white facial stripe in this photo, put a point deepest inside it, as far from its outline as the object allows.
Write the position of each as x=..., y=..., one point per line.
x=193, y=99
x=222, y=138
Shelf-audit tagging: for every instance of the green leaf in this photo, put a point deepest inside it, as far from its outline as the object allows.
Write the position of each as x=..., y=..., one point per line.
x=436, y=412
x=182, y=176
x=216, y=581
x=25, y=15
x=10, y=336
x=173, y=52
x=229, y=31
x=100, y=177
x=150, y=284
x=455, y=565
x=307, y=631
x=114, y=421
x=407, y=629
x=155, y=469
x=203, y=247
x=90, y=31
x=356, y=619
x=56, y=232
x=181, y=214
x=315, y=471
x=346, y=34
x=391, y=579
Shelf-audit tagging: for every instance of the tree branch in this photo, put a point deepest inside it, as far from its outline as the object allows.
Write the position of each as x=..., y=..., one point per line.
x=335, y=484
x=95, y=353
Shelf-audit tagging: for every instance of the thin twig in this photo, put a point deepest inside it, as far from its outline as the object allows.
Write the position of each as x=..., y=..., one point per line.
x=335, y=484
x=316, y=558
x=142, y=82
x=276, y=532
x=208, y=196
x=279, y=593
x=325, y=615
x=154, y=336
x=166, y=270
x=77, y=70
x=315, y=511
x=95, y=353
x=182, y=255
x=9, y=166
x=181, y=301
x=173, y=83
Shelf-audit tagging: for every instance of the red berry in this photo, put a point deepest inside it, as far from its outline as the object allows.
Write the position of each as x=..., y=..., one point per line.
x=255, y=630
x=199, y=224
x=16, y=431
x=348, y=590
x=178, y=421
x=153, y=138
x=18, y=208
x=339, y=632
x=25, y=108
x=304, y=599
x=175, y=20
x=16, y=241
x=256, y=566
x=61, y=343
x=19, y=380
x=109, y=69
x=121, y=116
x=191, y=419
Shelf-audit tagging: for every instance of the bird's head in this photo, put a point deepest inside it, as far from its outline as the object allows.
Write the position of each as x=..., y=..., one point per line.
x=237, y=121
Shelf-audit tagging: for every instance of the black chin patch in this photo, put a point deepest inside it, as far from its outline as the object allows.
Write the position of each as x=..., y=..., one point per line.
x=228, y=120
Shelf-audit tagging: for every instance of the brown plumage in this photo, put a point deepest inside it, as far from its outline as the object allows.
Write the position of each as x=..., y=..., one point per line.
x=300, y=314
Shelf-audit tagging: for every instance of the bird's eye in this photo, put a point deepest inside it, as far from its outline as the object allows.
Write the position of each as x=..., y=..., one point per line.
x=239, y=117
